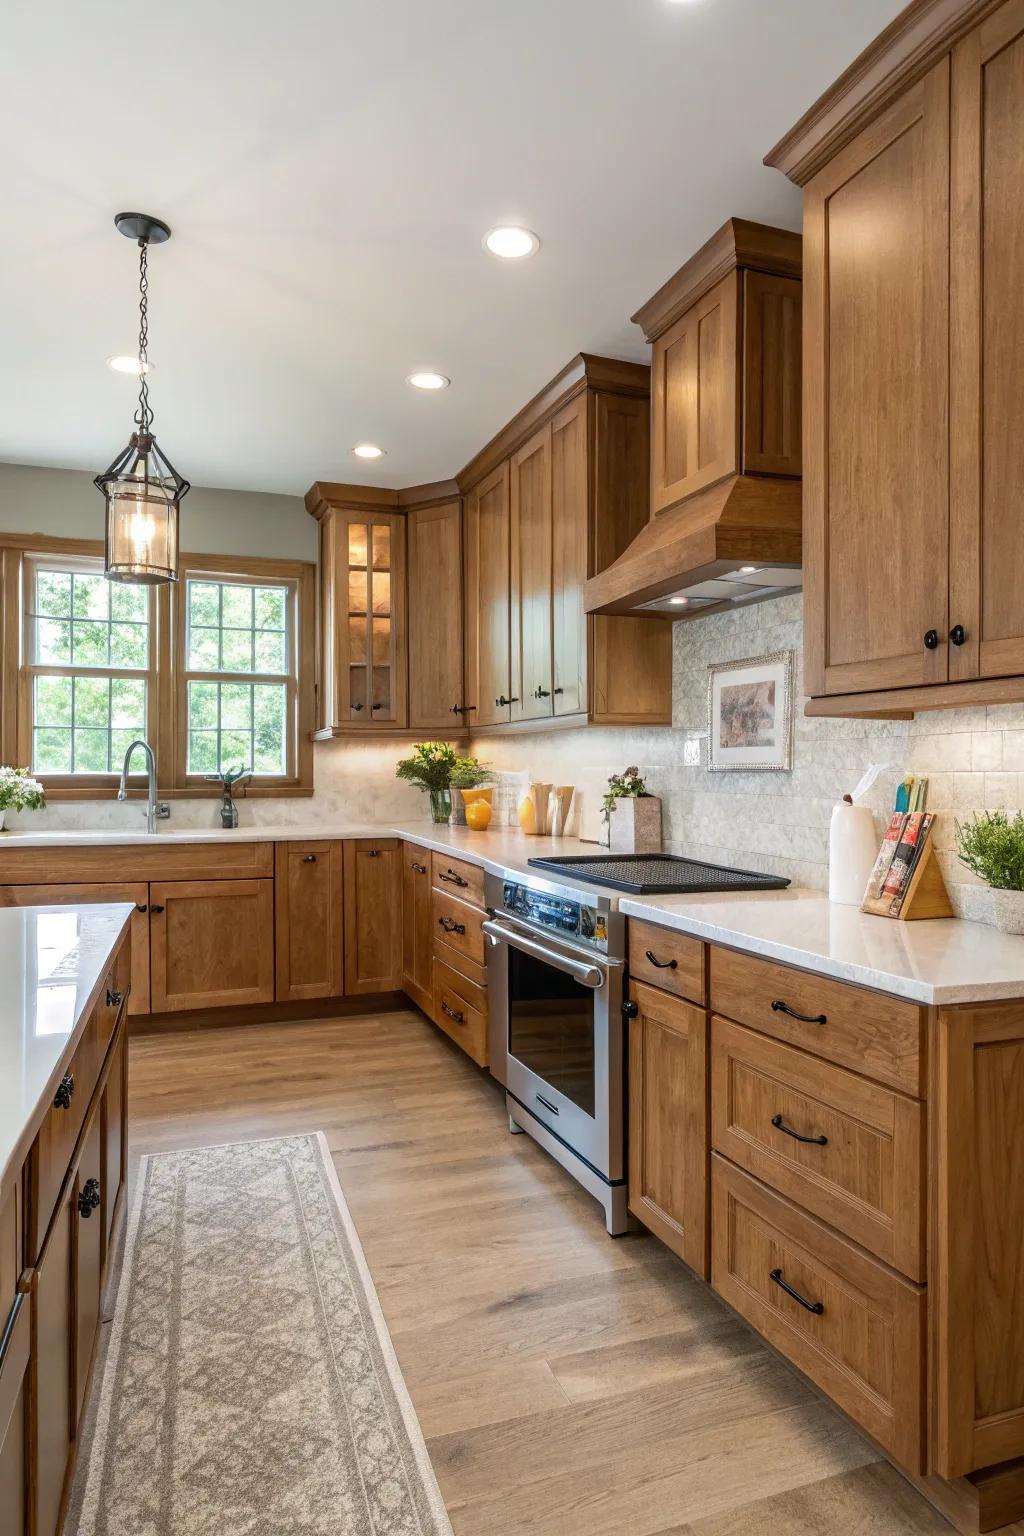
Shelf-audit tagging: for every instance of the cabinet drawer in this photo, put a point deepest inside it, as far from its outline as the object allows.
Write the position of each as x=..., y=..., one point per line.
x=457, y=878
x=857, y=1332
x=59, y=1132
x=460, y=1009
x=473, y=970
x=667, y=959
x=860, y=1164
x=459, y=926
x=877, y=1035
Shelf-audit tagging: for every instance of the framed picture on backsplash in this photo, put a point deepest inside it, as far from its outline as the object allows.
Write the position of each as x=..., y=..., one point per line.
x=750, y=714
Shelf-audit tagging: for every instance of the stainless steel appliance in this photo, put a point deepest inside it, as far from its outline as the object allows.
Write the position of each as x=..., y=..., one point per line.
x=658, y=873
x=555, y=966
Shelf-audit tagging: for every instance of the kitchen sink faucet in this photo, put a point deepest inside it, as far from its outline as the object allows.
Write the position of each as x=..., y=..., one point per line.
x=154, y=808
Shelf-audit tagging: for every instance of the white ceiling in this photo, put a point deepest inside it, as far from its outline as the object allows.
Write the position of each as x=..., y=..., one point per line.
x=329, y=168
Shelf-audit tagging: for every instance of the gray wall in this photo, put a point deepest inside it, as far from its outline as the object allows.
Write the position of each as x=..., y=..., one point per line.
x=64, y=502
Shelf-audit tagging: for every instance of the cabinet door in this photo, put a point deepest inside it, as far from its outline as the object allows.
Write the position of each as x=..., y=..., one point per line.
x=435, y=618
x=88, y=1261
x=79, y=895
x=212, y=943
x=55, y=1325
x=14, y=1399
x=418, y=928
x=114, y=1141
x=668, y=1122
x=373, y=915
x=987, y=348
x=369, y=619
x=309, y=936
x=569, y=558
x=876, y=371
x=694, y=414
x=488, y=678
x=531, y=543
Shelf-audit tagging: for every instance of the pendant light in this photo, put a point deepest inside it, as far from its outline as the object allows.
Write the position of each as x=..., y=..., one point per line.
x=142, y=488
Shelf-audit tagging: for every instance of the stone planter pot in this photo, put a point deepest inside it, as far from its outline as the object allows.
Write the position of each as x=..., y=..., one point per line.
x=635, y=825
x=1008, y=911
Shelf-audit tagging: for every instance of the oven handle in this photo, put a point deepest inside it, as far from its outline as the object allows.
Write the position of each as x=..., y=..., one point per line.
x=587, y=975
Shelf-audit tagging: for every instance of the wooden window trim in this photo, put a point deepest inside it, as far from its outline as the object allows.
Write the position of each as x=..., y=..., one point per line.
x=166, y=678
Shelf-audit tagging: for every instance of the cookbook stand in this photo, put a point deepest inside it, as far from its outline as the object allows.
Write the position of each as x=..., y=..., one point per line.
x=926, y=894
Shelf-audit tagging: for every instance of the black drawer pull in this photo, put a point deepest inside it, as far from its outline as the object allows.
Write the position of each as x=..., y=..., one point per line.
x=451, y=878
x=373, y=853
x=140, y=906
x=62, y=1098
x=463, y=709
x=805, y=1018
x=663, y=965
x=420, y=869
x=450, y=926
x=309, y=858
x=154, y=908
x=114, y=999
x=817, y=1307
x=356, y=708
x=780, y=1125
x=88, y=1198
x=453, y=1013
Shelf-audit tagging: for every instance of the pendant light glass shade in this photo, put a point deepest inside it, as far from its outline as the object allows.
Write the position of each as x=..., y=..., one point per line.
x=143, y=491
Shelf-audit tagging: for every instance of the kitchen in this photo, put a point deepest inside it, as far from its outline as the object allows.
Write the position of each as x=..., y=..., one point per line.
x=510, y=895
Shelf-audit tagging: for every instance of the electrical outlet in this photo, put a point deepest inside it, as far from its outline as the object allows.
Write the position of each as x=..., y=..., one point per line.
x=691, y=752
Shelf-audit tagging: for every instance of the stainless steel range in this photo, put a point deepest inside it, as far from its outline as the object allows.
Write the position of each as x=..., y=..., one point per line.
x=555, y=966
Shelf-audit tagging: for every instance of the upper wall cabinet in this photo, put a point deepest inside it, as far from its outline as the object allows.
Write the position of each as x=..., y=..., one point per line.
x=556, y=496
x=913, y=363
x=435, y=616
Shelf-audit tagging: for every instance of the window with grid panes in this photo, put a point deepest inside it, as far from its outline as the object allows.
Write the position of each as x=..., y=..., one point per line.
x=239, y=675
x=88, y=672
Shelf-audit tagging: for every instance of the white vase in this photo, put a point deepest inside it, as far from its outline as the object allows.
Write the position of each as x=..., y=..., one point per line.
x=1008, y=911
x=2, y=816
x=635, y=825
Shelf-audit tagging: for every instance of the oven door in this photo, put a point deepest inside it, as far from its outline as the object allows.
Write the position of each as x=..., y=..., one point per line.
x=556, y=1037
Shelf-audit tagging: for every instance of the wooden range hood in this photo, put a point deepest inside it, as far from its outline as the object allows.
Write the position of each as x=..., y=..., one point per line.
x=725, y=520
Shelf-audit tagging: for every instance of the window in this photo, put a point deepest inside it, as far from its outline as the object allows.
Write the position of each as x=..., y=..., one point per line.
x=215, y=672
x=87, y=673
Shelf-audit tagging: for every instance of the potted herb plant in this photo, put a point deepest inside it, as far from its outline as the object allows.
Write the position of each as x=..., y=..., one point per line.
x=435, y=767
x=992, y=846
x=632, y=816
x=19, y=791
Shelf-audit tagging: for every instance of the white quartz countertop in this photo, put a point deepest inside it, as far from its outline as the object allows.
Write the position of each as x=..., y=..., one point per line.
x=53, y=961
x=933, y=961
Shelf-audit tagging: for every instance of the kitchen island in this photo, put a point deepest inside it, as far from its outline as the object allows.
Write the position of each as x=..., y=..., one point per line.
x=66, y=975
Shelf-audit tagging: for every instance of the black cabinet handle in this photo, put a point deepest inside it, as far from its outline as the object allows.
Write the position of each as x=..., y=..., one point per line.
x=817, y=1307
x=62, y=1098
x=503, y=701
x=805, y=1018
x=309, y=858
x=931, y=640
x=451, y=878
x=154, y=907
x=114, y=998
x=958, y=634
x=780, y=1125
x=463, y=709
x=420, y=869
x=141, y=906
x=357, y=707
x=450, y=926
x=373, y=853
x=559, y=690
x=88, y=1198
x=630, y=1009
x=453, y=1013
x=377, y=706
x=663, y=965
x=541, y=693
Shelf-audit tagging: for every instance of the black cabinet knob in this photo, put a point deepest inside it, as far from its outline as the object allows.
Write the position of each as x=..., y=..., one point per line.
x=931, y=640
x=541, y=693
x=153, y=907
x=357, y=707
x=62, y=1098
x=114, y=998
x=630, y=1009
x=958, y=634
x=309, y=858
x=88, y=1198
x=141, y=907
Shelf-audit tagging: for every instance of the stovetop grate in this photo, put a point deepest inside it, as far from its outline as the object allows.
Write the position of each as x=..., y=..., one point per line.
x=659, y=874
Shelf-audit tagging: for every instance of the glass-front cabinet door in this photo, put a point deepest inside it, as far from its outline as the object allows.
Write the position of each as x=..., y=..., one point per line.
x=363, y=556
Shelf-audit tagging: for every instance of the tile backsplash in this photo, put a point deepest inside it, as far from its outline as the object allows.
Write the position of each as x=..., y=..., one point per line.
x=778, y=821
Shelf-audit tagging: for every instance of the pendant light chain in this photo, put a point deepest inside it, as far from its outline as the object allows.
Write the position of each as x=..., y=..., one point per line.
x=144, y=415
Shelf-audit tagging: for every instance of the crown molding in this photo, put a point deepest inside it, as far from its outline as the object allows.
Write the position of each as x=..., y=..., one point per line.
x=739, y=243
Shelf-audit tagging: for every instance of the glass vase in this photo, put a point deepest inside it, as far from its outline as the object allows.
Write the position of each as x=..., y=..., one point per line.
x=440, y=805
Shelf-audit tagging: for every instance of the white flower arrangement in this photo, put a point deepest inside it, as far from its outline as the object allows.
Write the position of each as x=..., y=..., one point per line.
x=19, y=791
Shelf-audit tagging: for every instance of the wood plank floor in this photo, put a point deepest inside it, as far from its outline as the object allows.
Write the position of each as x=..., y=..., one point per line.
x=567, y=1384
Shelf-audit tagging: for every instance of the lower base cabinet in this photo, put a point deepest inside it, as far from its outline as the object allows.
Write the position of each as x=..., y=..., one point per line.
x=196, y=959
x=15, y=1389
x=417, y=927
x=309, y=934
x=373, y=915
x=55, y=1331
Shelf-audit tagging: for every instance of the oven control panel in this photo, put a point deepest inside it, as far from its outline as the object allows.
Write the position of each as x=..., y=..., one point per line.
x=575, y=919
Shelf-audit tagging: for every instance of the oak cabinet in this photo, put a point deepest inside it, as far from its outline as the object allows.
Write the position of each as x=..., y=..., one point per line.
x=80, y=894
x=54, y=1365
x=434, y=535
x=668, y=1128
x=88, y=1255
x=417, y=927
x=373, y=915
x=487, y=599
x=530, y=577
x=198, y=959
x=693, y=397
x=15, y=1483
x=309, y=938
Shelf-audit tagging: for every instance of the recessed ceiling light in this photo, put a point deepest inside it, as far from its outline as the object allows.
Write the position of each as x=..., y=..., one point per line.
x=511, y=242
x=124, y=363
x=368, y=451
x=679, y=602
x=425, y=379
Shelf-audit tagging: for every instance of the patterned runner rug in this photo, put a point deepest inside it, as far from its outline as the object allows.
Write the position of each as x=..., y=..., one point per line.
x=250, y=1387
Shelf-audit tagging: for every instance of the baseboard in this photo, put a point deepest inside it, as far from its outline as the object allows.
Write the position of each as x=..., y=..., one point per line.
x=266, y=1013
